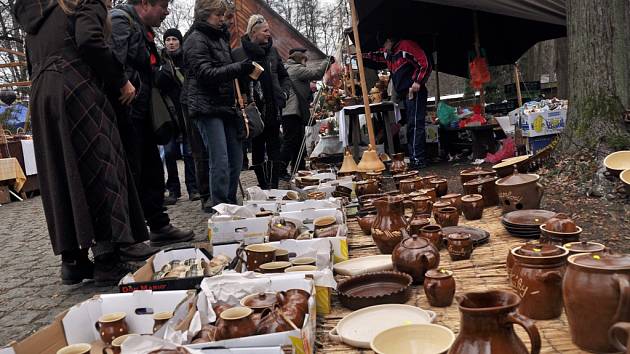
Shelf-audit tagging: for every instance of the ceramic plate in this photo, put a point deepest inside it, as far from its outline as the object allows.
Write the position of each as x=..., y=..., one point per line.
x=479, y=236
x=520, y=233
x=366, y=264
x=520, y=227
x=528, y=217
x=358, y=328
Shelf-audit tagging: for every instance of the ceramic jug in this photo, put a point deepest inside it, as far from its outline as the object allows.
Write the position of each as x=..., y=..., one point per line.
x=390, y=225
x=487, y=324
x=414, y=256
x=398, y=163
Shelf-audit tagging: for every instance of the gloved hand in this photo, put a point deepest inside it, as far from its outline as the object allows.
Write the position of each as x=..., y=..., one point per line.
x=247, y=67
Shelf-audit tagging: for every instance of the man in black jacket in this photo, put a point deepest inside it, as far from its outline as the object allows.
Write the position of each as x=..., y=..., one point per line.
x=133, y=45
x=270, y=92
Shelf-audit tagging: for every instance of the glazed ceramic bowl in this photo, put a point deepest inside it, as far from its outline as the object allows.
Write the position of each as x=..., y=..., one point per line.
x=617, y=162
x=559, y=238
x=275, y=267
x=414, y=338
x=301, y=268
x=387, y=287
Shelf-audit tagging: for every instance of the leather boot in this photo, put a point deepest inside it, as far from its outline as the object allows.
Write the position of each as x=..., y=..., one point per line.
x=261, y=176
x=109, y=269
x=75, y=267
x=169, y=234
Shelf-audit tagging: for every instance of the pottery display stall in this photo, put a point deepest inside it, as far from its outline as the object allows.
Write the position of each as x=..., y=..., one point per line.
x=519, y=191
x=390, y=226
x=415, y=255
x=596, y=295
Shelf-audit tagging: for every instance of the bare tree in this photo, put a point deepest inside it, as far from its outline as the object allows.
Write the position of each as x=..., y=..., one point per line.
x=12, y=68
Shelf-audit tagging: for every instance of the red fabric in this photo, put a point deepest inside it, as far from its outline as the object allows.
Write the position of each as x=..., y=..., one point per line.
x=152, y=56
x=508, y=149
x=405, y=52
x=479, y=73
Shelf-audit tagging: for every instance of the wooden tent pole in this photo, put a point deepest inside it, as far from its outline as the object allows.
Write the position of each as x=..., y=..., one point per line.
x=364, y=90
x=482, y=94
x=437, y=73
x=517, y=81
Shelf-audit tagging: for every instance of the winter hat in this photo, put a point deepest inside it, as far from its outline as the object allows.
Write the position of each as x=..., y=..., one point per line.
x=254, y=20
x=173, y=32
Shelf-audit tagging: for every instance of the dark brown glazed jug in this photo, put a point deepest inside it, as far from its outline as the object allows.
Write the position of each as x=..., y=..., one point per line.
x=536, y=276
x=390, y=225
x=596, y=295
x=487, y=325
x=414, y=256
x=365, y=223
x=439, y=287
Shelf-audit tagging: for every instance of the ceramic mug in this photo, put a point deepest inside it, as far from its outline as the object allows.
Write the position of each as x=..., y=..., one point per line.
x=116, y=346
x=80, y=348
x=111, y=326
x=258, y=70
x=259, y=254
x=160, y=318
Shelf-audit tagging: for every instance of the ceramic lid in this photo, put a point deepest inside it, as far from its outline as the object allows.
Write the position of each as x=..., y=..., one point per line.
x=584, y=246
x=459, y=236
x=415, y=242
x=472, y=197
x=475, y=171
x=480, y=180
x=517, y=179
x=438, y=273
x=441, y=203
x=601, y=261
x=259, y=300
x=511, y=161
x=450, y=195
x=539, y=250
x=437, y=180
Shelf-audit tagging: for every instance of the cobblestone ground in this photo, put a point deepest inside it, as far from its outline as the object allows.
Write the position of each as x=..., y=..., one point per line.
x=31, y=293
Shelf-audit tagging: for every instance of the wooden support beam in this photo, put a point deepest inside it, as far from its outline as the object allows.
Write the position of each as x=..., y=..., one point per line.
x=16, y=84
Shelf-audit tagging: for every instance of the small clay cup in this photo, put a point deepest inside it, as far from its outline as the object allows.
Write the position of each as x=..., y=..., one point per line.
x=447, y=216
x=460, y=246
x=160, y=318
x=282, y=255
x=472, y=206
x=434, y=234
x=116, y=346
x=236, y=322
x=439, y=287
x=111, y=326
x=259, y=254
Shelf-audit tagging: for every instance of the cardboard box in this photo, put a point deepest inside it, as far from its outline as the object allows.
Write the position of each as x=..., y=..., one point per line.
x=77, y=324
x=543, y=123
x=250, y=230
x=308, y=216
x=302, y=341
x=142, y=277
x=287, y=205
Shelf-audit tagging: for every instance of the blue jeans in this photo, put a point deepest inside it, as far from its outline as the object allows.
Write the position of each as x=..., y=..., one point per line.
x=225, y=151
x=416, y=138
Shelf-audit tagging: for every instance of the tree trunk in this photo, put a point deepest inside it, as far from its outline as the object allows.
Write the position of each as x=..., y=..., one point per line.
x=598, y=74
x=562, y=66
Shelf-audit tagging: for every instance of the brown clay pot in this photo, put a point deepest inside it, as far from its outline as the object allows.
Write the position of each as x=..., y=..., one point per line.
x=259, y=302
x=369, y=186
x=434, y=234
x=475, y=172
x=366, y=223
x=220, y=307
x=536, y=277
x=484, y=186
x=390, y=225
x=325, y=226
x=404, y=175
x=280, y=229
x=429, y=192
x=294, y=297
x=259, y=254
x=418, y=221
x=272, y=321
x=426, y=181
x=440, y=185
x=236, y=322
x=439, y=287
x=557, y=237
x=438, y=205
x=560, y=223
x=414, y=256
x=615, y=330
x=460, y=246
x=487, y=320
x=472, y=206
x=410, y=185
x=422, y=204
x=447, y=216
x=398, y=163
x=111, y=326
x=455, y=199
x=519, y=191
x=596, y=295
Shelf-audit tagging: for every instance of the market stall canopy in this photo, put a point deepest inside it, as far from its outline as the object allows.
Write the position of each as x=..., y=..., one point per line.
x=284, y=35
x=506, y=28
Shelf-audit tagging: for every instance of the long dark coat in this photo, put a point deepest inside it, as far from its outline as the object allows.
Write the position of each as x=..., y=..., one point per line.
x=86, y=188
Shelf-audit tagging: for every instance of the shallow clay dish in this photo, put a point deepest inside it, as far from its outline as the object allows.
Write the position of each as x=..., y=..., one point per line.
x=479, y=236
x=367, y=264
x=376, y=288
x=528, y=217
x=358, y=328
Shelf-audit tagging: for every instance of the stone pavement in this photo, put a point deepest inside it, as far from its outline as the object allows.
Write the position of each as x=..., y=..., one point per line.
x=31, y=293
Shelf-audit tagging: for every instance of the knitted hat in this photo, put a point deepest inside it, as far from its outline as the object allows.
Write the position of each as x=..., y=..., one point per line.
x=173, y=32
x=253, y=21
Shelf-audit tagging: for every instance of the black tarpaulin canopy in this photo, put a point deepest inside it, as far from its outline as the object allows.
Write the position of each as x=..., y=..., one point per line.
x=506, y=28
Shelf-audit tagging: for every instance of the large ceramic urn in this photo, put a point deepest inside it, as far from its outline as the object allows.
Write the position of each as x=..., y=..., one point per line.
x=487, y=325
x=519, y=191
x=415, y=255
x=390, y=226
x=596, y=295
x=536, y=276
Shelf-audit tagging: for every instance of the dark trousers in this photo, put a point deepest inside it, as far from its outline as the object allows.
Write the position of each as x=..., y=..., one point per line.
x=416, y=137
x=293, y=130
x=267, y=144
x=172, y=152
x=225, y=151
x=146, y=167
x=200, y=158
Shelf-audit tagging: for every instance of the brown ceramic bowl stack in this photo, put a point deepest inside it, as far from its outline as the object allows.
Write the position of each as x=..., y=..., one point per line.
x=536, y=276
x=387, y=287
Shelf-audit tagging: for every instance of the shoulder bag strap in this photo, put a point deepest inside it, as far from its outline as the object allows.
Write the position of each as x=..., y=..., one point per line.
x=241, y=105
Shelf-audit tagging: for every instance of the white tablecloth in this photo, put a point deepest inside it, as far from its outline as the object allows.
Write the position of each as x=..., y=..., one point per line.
x=344, y=120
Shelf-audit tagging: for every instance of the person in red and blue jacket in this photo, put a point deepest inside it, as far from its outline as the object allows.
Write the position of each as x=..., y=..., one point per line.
x=410, y=69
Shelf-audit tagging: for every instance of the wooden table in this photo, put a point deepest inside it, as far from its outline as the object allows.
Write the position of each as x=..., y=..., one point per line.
x=485, y=270
x=13, y=148
x=355, y=127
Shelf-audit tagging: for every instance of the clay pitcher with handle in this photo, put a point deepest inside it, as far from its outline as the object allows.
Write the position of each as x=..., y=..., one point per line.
x=487, y=324
x=390, y=226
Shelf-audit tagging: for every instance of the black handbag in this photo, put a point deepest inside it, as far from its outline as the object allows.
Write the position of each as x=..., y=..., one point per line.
x=253, y=122
x=162, y=112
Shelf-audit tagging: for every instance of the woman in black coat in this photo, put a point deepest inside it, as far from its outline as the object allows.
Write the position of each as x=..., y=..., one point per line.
x=210, y=97
x=88, y=195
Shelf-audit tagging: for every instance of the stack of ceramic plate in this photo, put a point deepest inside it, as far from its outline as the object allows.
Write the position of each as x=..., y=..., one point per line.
x=526, y=223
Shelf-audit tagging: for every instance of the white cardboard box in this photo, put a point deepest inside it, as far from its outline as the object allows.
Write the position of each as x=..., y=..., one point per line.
x=250, y=230
x=308, y=216
x=543, y=123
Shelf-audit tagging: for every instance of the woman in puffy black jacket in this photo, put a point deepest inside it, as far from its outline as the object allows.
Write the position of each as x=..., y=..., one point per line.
x=211, y=99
